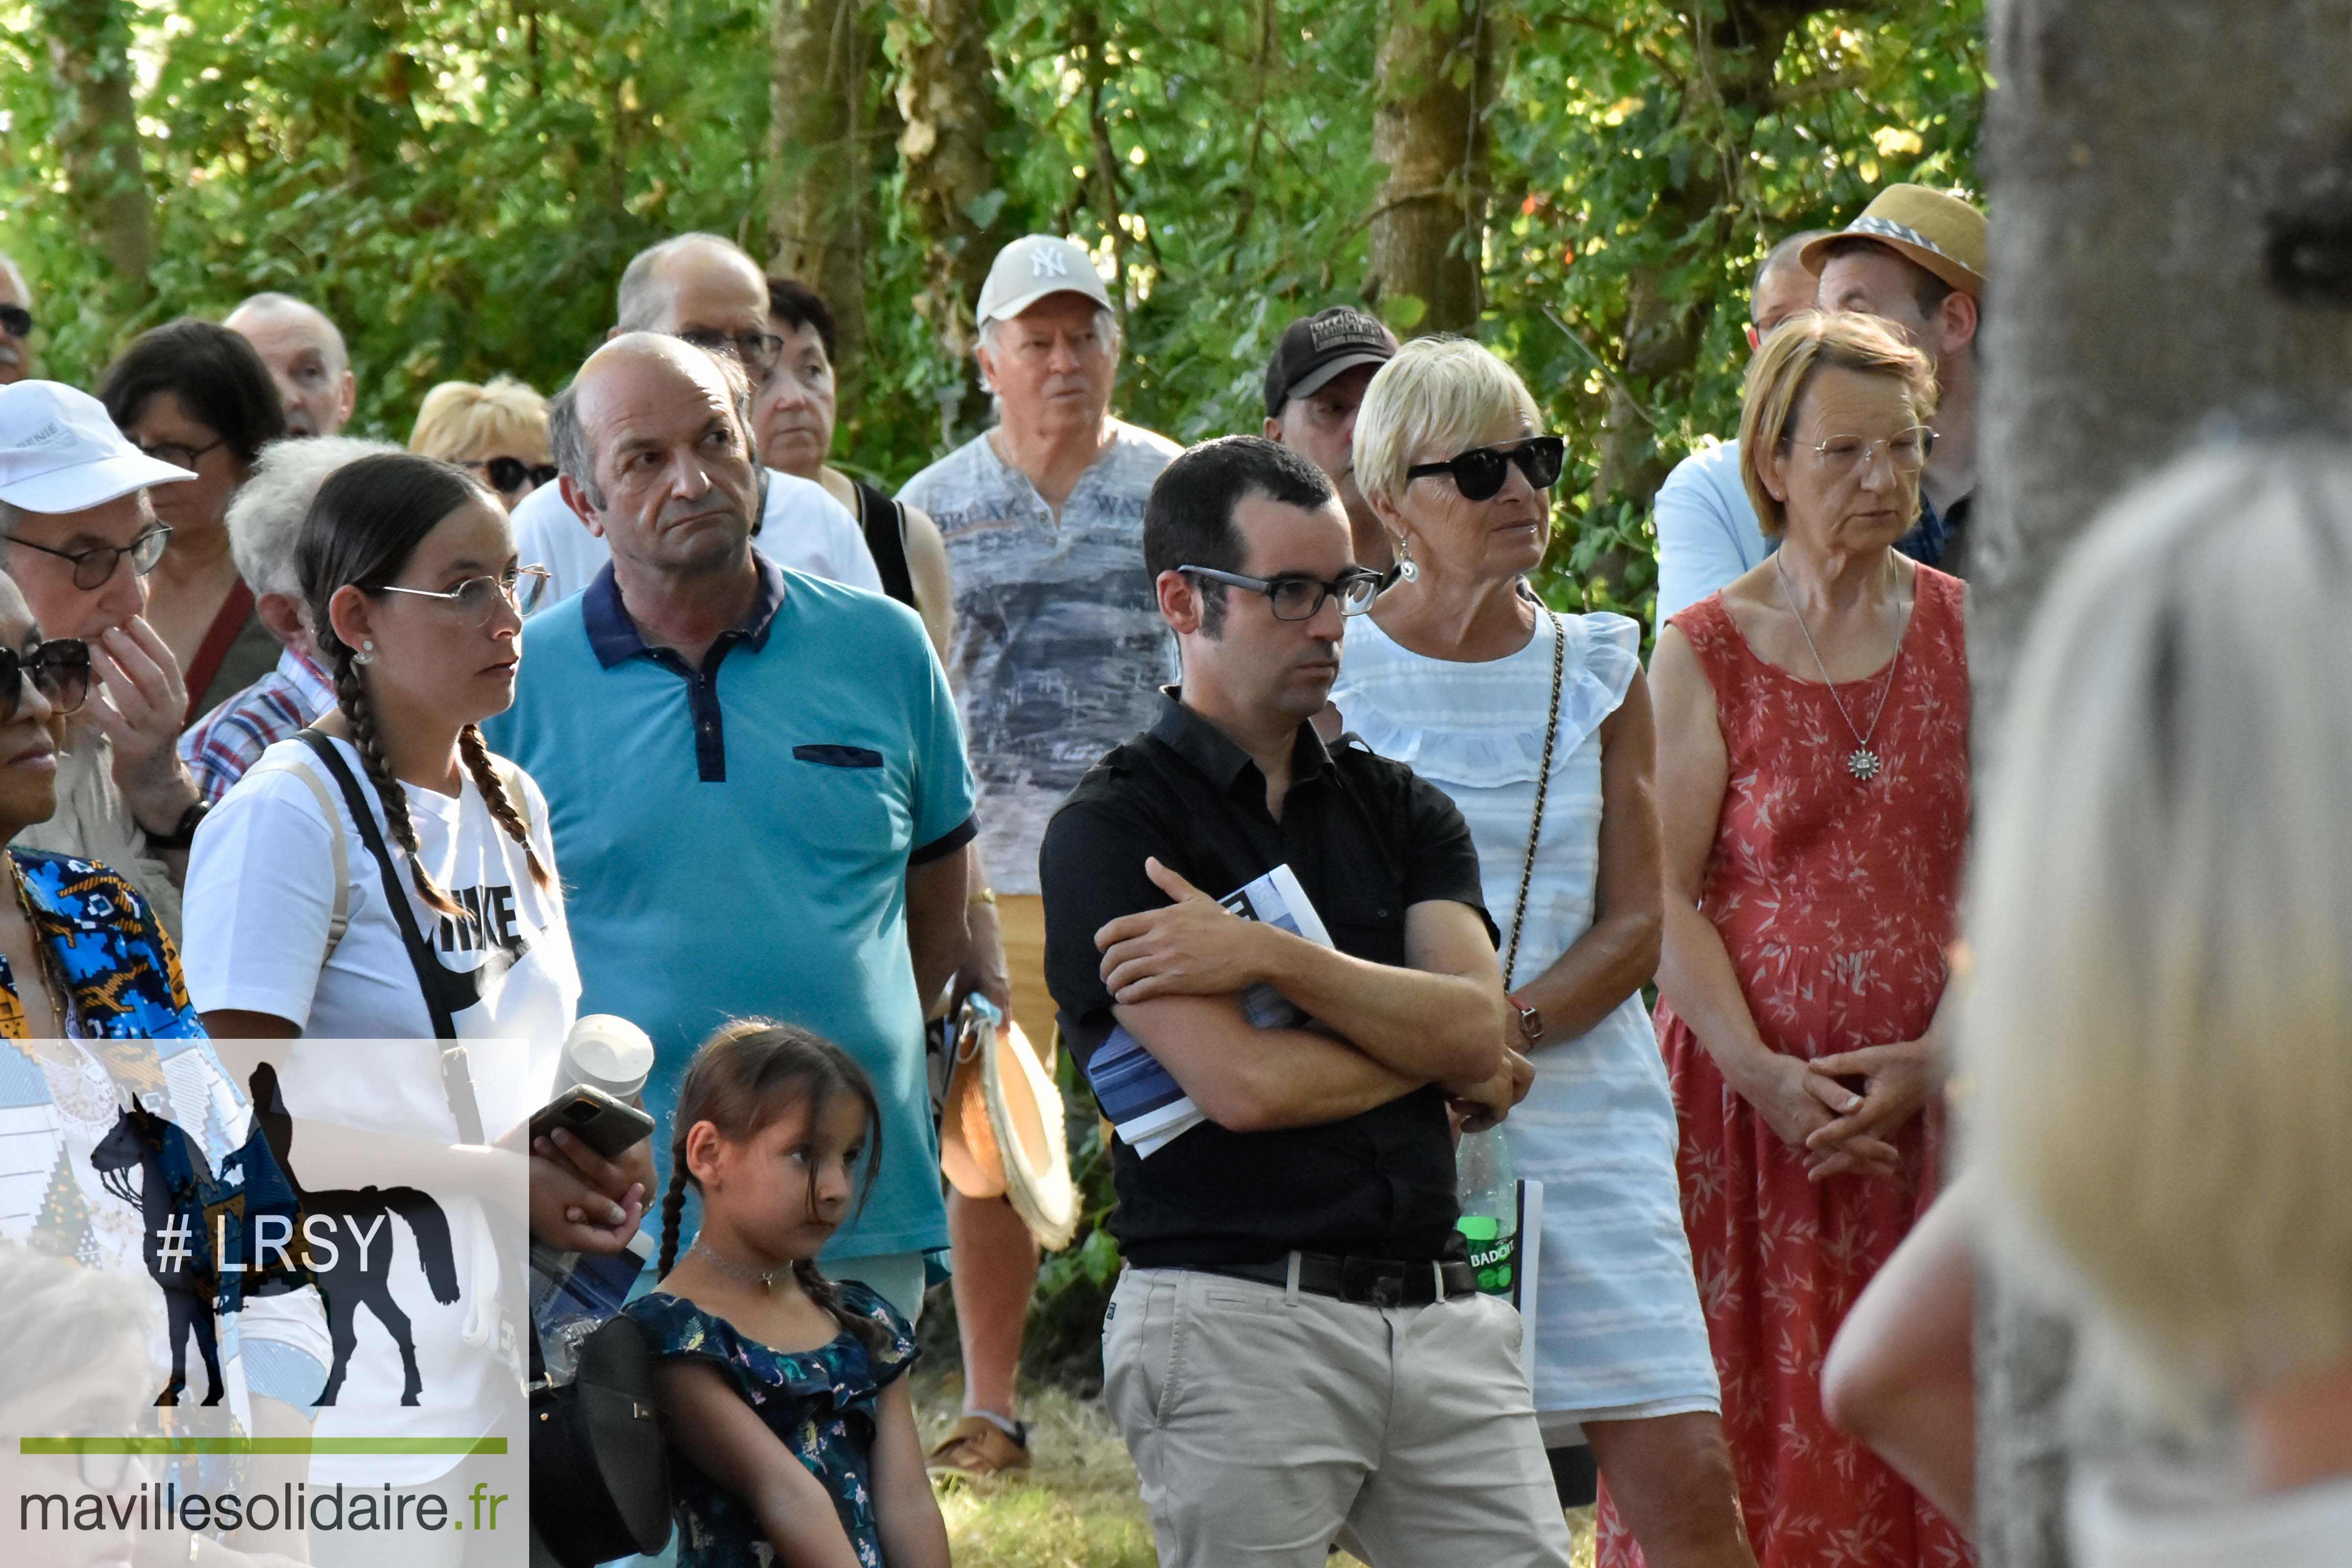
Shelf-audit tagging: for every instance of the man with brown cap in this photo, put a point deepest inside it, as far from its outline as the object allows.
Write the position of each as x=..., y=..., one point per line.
x=1314, y=385
x=1916, y=258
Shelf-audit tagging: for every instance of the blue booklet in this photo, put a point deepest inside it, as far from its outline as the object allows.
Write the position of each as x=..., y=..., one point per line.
x=1147, y=1106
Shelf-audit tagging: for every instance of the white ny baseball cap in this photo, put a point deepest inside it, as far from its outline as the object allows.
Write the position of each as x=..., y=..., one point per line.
x=59, y=451
x=1032, y=266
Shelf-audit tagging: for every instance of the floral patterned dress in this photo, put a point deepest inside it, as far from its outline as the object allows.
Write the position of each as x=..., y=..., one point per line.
x=820, y=1402
x=1836, y=899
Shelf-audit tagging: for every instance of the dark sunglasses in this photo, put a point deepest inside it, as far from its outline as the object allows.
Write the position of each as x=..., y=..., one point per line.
x=1480, y=471
x=60, y=668
x=15, y=320
x=506, y=474
x=94, y=567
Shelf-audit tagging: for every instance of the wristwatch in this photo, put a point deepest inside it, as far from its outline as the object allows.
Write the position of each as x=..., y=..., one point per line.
x=184, y=831
x=1531, y=1024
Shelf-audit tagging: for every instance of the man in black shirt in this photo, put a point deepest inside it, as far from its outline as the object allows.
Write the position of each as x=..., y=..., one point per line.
x=1294, y=1350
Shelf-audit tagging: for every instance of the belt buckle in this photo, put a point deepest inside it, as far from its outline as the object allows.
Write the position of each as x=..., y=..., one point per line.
x=1373, y=1281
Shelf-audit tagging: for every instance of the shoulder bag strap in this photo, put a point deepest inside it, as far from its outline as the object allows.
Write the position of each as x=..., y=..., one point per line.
x=1543, y=787
x=339, y=919
x=456, y=1077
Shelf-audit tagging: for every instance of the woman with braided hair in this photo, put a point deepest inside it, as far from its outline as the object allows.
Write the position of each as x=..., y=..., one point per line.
x=383, y=879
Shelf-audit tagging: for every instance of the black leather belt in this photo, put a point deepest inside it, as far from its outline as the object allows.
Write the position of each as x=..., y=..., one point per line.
x=1365, y=1281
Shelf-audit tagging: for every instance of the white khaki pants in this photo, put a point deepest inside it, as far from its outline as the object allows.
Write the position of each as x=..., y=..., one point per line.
x=1267, y=1424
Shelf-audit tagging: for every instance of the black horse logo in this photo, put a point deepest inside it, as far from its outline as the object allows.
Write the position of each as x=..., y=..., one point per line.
x=189, y=1217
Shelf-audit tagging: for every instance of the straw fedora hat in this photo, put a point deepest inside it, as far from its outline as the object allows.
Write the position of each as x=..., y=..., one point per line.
x=1941, y=233
x=1002, y=1131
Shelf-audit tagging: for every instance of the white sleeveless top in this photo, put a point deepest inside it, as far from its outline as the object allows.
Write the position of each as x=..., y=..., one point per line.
x=1618, y=1331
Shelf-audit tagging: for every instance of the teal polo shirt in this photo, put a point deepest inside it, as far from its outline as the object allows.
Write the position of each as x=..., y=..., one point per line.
x=734, y=839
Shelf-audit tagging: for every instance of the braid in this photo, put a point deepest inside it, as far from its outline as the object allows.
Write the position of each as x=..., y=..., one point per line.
x=477, y=753
x=351, y=696
x=827, y=1295
x=673, y=1209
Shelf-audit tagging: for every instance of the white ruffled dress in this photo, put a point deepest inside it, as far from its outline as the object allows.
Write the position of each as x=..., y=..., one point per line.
x=1619, y=1334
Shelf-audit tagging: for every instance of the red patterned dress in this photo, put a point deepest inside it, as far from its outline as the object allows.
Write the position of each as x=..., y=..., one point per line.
x=1836, y=899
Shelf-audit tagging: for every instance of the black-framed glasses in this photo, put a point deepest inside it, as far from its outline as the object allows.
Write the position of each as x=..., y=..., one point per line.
x=477, y=598
x=16, y=320
x=506, y=474
x=179, y=454
x=757, y=352
x=1479, y=472
x=1301, y=598
x=94, y=567
x=60, y=672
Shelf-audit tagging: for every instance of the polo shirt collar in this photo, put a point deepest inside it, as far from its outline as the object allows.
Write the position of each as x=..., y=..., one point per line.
x=1216, y=755
x=614, y=636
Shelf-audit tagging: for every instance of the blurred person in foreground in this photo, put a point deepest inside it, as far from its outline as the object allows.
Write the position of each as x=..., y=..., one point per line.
x=307, y=359
x=2159, y=1027
x=16, y=322
x=1058, y=656
x=264, y=522
x=498, y=431
x=794, y=418
x=1813, y=791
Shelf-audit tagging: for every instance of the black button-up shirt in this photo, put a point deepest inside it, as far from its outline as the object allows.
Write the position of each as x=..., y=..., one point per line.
x=1367, y=840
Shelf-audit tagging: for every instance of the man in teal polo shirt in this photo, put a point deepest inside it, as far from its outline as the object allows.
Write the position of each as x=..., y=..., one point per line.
x=755, y=778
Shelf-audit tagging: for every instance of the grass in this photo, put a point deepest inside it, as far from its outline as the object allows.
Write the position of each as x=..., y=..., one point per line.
x=1076, y=1506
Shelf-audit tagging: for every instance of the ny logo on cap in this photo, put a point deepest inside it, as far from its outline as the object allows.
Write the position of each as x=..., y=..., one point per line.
x=1047, y=263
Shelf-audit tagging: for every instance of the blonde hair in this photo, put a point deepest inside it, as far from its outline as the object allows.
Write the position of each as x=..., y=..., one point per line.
x=1439, y=394
x=2160, y=1027
x=459, y=420
x=1785, y=366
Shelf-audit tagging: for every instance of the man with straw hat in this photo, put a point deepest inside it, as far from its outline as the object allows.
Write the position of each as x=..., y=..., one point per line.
x=1916, y=258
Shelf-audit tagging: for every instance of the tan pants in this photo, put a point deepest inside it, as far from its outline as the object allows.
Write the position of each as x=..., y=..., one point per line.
x=1265, y=1424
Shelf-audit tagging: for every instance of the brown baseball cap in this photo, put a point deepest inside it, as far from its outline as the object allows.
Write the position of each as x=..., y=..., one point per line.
x=1940, y=232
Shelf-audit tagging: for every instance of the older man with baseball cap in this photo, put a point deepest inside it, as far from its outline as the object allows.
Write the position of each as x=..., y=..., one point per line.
x=1916, y=258
x=1313, y=386
x=81, y=539
x=1058, y=654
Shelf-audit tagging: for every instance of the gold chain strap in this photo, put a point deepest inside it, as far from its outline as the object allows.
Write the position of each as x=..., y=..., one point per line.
x=1543, y=787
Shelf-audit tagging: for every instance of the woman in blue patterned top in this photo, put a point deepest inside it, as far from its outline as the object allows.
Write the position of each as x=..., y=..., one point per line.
x=783, y=1392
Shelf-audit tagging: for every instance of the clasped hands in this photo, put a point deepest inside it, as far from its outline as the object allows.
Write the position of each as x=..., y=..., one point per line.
x=581, y=1202
x=1197, y=947
x=1839, y=1131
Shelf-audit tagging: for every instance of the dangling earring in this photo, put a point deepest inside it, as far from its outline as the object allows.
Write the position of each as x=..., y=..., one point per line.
x=1406, y=567
x=366, y=654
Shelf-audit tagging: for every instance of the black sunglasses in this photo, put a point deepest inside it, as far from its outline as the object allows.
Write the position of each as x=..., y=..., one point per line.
x=94, y=568
x=1480, y=471
x=59, y=668
x=15, y=320
x=506, y=474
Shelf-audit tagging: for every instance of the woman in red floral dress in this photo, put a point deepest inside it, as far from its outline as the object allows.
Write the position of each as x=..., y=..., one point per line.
x=1813, y=769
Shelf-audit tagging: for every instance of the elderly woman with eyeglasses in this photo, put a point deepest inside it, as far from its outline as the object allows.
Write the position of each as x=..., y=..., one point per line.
x=1537, y=726
x=1813, y=787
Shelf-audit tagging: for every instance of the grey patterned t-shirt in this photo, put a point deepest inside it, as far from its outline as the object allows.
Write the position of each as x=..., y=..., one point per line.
x=1059, y=649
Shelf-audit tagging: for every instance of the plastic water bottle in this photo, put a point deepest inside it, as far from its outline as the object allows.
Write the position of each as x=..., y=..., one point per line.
x=1487, y=1184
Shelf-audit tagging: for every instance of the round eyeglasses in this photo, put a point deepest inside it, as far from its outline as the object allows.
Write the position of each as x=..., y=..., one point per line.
x=94, y=567
x=1301, y=598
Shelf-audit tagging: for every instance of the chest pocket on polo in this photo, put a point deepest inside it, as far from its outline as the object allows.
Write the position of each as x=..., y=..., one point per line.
x=850, y=800
x=838, y=756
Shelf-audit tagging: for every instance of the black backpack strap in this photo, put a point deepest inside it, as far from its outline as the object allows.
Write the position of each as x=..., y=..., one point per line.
x=431, y=978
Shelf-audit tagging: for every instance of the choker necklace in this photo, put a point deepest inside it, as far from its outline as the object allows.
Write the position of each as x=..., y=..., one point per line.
x=765, y=1278
x=1862, y=761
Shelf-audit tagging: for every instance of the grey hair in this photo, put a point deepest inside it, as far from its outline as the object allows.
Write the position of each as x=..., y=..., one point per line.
x=61, y=1319
x=1106, y=328
x=265, y=518
x=575, y=455
x=637, y=306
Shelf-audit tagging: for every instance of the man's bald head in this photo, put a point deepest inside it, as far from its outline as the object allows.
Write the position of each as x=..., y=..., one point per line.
x=307, y=359
x=694, y=281
x=634, y=371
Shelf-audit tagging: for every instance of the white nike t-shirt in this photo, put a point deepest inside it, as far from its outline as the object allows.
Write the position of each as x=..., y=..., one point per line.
x=802, y=528
x=261, y=895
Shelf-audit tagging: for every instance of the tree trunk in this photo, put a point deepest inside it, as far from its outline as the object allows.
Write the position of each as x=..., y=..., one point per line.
x=947, y=100
x=2171, y=194
x=1429, y=222
x=89, y=45
x=820, y=173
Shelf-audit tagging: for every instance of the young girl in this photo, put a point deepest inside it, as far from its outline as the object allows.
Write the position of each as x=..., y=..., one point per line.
x=783, y=1391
